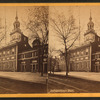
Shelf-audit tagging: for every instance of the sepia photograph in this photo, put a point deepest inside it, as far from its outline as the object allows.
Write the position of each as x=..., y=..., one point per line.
x=49, y=50
x=74, y=49
x=23, y=49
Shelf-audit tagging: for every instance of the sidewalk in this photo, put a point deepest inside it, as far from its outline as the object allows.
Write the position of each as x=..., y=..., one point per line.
x=93, y=76
x=24, y=76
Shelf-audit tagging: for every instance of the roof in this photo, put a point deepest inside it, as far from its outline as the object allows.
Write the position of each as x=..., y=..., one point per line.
x=8, y=45
x=81, y=46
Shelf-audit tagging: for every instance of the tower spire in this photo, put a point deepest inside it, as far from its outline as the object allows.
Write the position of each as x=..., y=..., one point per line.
x=16, y=23
x=5, y=26
x=90, y=15
x=79, y=25
x=16, y=15
x=90, y=24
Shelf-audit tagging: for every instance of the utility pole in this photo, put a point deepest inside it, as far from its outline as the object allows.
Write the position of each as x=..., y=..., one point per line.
x=5, y=26
x=79, y=26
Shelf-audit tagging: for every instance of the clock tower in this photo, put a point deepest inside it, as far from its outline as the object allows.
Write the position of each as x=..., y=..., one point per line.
x=16, y=32
x=90, y=34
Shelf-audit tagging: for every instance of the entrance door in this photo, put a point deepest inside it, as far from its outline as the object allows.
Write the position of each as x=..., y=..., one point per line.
x=45, y=68
x=97, y=68
x=33, y=68
x=71, y=67
x=23, y=68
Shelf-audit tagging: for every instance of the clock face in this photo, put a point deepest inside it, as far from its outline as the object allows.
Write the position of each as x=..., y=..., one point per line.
x=16, y=37
x=90, y=37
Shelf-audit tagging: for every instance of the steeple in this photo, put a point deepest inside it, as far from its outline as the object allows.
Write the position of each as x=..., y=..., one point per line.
x=90, y=16
x=90, y=34
x=16, y=23
x=16, y=16
x=90, y=24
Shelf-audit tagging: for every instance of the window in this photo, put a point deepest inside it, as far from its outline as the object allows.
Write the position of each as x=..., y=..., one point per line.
x=0, y=54
x=87, y=50
x=3, y=58
x=8, y=52
x=82, y=52
x=4, y=53
x=71, y=54
x=98, y=39
x=81, y=58
x=86, y=58
x=93, y=56
x=24, y=38
x=13, y=50
x=44, y=50
x=77, y=53
x=23, y=56
x=25, y=45
x=77, y=59
x=32, y=54
x=74, y=54
x=97, y=56
x=35, y=53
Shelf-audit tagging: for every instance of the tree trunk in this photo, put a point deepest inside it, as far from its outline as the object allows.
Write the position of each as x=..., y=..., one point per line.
x=66, y=61
x=39, y=60
x=42, y=57
x=50, y=65
x=53, y=69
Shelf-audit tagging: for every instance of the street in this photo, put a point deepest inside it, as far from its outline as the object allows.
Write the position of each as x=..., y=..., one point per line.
x=10, y=86
x=59, y=84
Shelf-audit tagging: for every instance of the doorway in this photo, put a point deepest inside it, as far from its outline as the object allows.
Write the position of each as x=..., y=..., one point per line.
x=34, y=68
x=23, y=68
x=45, y=68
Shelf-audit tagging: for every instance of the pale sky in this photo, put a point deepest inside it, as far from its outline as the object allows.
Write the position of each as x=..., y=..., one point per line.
x=82, y=12
x=9, y=13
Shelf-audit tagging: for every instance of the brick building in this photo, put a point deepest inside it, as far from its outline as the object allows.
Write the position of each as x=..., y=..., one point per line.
x=83, y=58
x=18, y=55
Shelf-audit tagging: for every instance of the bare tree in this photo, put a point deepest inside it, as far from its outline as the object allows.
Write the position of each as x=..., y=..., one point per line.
x=66, y=31
x=51, y=51
x=2, y=31
x=38, y=25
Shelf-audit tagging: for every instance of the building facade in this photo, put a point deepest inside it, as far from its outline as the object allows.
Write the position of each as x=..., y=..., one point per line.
x=84, y=57
x=18, y=55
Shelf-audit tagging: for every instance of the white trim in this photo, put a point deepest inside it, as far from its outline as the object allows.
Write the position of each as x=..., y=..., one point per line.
x=7, y=56
x=7, y=61
x=90, y=57
x=96, y=53
x=16, y=57
x=80, y=61
x=28, y=58
x=27, y=52
x=80, y=56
